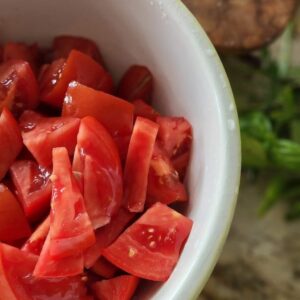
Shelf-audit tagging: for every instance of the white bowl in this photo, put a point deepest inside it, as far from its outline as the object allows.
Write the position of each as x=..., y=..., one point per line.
x=189, y=81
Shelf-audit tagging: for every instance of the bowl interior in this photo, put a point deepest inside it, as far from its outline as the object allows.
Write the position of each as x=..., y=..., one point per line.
x=189, y=82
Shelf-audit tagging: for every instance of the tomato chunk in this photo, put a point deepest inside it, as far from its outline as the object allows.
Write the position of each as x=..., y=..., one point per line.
x=33, y=187
x=164, y=184
x=138, y=163
x=79, y=67
x=18, y=86
x=106, y=235
x=13, y=224
x=118, y=288
x=36, y=241
x=104, y=268
x=10, y=141
x=41, y=134
x=136, y=83
x=142, y=109
x=150, y=247
x=17, y=282
x=64, y=44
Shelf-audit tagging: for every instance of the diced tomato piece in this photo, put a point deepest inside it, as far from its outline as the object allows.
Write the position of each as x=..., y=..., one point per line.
x=13, y=224
x=62, y=46
x=114, y=113
x=118, y=288
x=17, y=282
x=10, y=141
x=138, y=163
x=36, y=241
x=41, y=134
x=33, y=187
x=1, y=54
x=142, y=109
x=102, y=173
x=136, y=83
x=175, y=136
x=164, y=184
x=150, y=247
x=79, y=67
x=18, y=83
x=106, y=235
x=23, y=52
x=181, y=163
x=104, y=268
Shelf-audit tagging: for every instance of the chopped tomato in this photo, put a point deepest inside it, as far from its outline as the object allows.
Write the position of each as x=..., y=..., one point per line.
x=36, y=241
x=118, y=288
x=79, y=67
x=164, y=184
x=17, y=282
x=150, y=247
x=114, y=113
x=10, y=141
x=41, y=134
x=33, y=187
x=106, y=235
x=62, y=46
x=102, y=172
x=18, y=82
x=13, y=224
x=142, y=109
x=104, y=268
x=136, y=83
x=138, y=163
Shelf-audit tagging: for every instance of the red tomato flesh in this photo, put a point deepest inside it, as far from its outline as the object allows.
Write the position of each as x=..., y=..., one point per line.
x=150, y=247
x=41, y=134
x=142, y=109
x=13, y=224
x=118, y=288
x=33, y=187
x=104, y=268
x=10, y=141
x=138, y=163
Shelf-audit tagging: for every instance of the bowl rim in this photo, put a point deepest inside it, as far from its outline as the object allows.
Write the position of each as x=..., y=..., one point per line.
x=191, y=287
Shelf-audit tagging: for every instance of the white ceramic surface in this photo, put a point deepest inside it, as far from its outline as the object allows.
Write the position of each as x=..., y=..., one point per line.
x=189, y=81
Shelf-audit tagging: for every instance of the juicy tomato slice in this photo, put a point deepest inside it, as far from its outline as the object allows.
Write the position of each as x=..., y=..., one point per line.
x=104, y=268
x=23, y=52
x=136, y=83
x=41, y=134
x=175, y=136
x=118, y=288
x=138, y=163
x=142, y=109
x=18, y=75
x=36, y=241
x=33, y=187
x=150, y=247
x=17, y=282
x=64, y=44
x=106, y=235
x=10, y=141
x=102, y=171
x=164, y=184
x=114, y=113
x=13, y=224
x=79, y=67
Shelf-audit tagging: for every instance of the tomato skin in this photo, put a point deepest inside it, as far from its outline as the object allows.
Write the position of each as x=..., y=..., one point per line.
x=33, y=187
x=150, y=247
x=164, y=184
x=136, y=83
x=104, y=268
x=106, y=235
x=102, y=171
x=79, y=67
x=142, y=109
x=64, y=44
x=13, y=224
x=10, y=141
x=41, y=134
x=118, y=288
x=138, y=163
